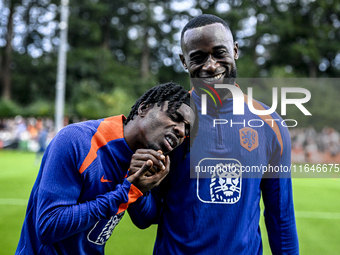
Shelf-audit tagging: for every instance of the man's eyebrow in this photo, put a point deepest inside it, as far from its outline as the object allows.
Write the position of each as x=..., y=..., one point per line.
x=192, y=54
x=181, y=118
x=179, y=115
x=220, y=47
x=217, y=47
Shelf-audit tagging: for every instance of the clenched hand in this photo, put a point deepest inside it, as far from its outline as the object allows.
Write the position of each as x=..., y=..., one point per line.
x=148, y=168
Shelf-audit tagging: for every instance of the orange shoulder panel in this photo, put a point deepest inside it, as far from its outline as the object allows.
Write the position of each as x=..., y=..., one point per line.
x=109, y=129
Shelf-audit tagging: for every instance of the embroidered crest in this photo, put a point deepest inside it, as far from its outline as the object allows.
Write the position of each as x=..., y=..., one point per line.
x=226, y=183
x=219, y=180
x=249, y=138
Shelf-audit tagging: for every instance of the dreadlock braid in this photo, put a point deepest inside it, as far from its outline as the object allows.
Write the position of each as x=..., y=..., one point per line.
x=158, y=94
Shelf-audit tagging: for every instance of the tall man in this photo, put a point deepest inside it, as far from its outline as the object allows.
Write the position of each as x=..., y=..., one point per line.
x=217, y=211
x=83, y=187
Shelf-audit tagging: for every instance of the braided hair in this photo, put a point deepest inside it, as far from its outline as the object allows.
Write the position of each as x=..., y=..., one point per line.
x=172, y=92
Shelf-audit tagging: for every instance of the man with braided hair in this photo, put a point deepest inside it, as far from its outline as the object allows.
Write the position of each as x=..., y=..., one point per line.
x=219, y=212
x=84, y=186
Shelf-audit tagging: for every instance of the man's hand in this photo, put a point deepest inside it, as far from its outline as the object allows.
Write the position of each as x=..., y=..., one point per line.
x=142, y=155
x=147, y=177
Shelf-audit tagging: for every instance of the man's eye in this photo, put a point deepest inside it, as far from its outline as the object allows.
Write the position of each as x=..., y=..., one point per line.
x=220, y=53
x=197, y=59
x=174, y=117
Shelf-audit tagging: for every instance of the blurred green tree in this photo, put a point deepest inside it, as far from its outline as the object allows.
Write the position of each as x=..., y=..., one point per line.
x=27, y=32
x=130, y=46
x=300, y=36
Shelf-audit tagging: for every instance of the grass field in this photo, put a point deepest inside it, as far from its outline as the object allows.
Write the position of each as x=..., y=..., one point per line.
x=317, y=206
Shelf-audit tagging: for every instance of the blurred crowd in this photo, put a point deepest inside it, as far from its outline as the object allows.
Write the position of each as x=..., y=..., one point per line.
x=31, y=134
x=315, y=147
x=34, y=134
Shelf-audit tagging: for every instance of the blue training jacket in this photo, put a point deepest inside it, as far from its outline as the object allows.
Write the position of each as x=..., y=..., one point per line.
x=201, y=211
x=81, y=192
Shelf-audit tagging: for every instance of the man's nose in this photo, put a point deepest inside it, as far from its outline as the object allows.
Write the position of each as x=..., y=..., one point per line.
x=210, y=65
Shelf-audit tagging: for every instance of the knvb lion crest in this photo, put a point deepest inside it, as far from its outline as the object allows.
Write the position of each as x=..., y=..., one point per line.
x=226, y=183
x=249, y=138
x=219, y=180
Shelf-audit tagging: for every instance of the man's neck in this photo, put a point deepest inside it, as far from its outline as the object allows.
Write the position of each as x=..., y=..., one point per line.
x=131, y=134
x=224, y=94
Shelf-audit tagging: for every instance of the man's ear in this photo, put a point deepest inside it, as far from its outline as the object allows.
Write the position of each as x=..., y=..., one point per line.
x=235, y=50
x=142, y=109
x=183, y=61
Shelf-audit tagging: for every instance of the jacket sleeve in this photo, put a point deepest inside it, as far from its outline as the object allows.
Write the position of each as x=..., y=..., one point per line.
x=58, y=212
x=278, y=200
x=146, y=210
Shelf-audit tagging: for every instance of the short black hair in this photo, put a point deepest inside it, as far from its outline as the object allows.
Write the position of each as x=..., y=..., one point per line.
x=171, y=92
x=203, y=20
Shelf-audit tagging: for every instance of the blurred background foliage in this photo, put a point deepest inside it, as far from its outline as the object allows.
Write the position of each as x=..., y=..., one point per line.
x=118, y=49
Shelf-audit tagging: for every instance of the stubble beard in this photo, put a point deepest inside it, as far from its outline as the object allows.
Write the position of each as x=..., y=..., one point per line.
x=223, y=93
x=230, y=80
x=152, y=146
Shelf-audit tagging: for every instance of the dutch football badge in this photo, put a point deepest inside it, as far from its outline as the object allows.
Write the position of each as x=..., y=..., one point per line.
x=249, y=138
x=219, y=180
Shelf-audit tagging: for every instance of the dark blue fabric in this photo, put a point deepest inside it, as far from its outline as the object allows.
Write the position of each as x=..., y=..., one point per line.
x=195, y=217
x=73, y=213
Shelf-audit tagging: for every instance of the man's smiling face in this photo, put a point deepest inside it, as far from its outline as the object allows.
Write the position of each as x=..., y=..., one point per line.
x=209, y=54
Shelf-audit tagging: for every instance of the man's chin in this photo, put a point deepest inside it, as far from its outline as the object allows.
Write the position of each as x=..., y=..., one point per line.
x=230, y=80
x=157, y=148
x=153, y=147
x=201, y=82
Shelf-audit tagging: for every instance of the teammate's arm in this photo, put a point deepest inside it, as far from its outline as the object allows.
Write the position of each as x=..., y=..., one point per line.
x=278, y=200
x=145, y=211
x=59, y=212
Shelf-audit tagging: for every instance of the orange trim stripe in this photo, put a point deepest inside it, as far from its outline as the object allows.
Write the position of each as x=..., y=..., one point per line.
x=275, y=127
x=108, y=130
x=127, y=173
x=134, y=194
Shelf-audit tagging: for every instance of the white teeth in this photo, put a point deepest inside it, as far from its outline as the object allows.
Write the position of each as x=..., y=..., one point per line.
x=215, y=78
x=171, y=142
